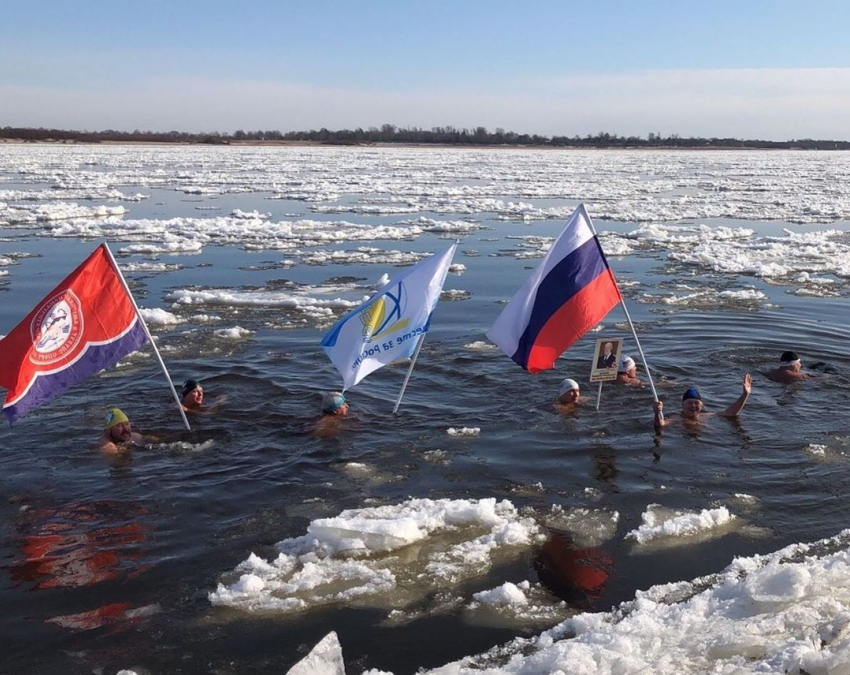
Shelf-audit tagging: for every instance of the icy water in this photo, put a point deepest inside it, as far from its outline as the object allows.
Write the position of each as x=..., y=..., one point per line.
x=242, y=257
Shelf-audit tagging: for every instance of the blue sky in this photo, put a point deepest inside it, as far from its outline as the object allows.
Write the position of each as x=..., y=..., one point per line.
x=768, y=69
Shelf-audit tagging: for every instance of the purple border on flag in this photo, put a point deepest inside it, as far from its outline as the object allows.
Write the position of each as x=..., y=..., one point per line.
x=95, y=358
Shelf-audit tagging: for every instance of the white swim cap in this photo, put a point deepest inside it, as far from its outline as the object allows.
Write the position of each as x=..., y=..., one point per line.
x=626, y=364
x=567, y=385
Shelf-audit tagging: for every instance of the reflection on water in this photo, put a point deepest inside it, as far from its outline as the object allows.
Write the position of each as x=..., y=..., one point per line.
x=578, y=575
x=80, y=545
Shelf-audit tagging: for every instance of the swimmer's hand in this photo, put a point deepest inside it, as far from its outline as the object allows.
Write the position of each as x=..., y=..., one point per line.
x=659, y=421
x=748, y=384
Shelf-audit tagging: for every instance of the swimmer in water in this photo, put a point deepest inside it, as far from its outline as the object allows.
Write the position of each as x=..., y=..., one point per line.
x=192, y=395
x=568, y=396
x=790, y=369
x=627, y=371
x=192, y=398
x=692, y=407
x=118, y=433
x=334, y=410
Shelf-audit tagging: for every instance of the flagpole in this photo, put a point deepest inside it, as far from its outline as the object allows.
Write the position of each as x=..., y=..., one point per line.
x=421, y=339
x=148, y=333
x=629, y=319
x=599, y=397
x=409, y=371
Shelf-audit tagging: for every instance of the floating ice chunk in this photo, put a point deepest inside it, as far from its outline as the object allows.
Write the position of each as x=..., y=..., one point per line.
x=324, y=659
x=383, y=281
x=249, y=215
x=234, y=333
x=512, y=604
x=506, y=594
x=204, y=318
x=457, y=268
x=455, y=294
x=463, y=431
x=149, y=267
x=659, y=522
x=588, y=527
x=480, y=345
x=159, y=317
x=359, y=555
x=179, y=246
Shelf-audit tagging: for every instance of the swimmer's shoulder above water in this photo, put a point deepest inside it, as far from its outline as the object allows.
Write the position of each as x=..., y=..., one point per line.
x=692, y=410
x=118, y=432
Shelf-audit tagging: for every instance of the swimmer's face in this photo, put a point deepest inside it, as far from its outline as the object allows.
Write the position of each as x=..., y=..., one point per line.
x=632, y=372
x=121, y=433
x=691, y=408
x=568, y=397
x=194, y=398
x=342, y=411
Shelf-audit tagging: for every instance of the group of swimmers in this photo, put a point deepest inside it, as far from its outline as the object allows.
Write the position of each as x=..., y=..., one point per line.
x=790, y=370
x=118, y=431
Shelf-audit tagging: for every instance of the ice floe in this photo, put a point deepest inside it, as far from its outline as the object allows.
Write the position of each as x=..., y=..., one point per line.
x=324, y=659
x=159, y=317
x=787, y=612
x=233, y=333
x=662, y=523
x=360, y=556
x=521, y=603
x=463, y=431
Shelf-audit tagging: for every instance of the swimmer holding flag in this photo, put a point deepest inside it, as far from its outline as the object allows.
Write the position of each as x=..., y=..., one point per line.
x=85, y=324
x=391, y=325
x=570, y=292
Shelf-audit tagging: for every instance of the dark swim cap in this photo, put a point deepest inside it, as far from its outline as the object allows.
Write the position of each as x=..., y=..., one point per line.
x=188, y=387
x=691, y=392
x=788, y=357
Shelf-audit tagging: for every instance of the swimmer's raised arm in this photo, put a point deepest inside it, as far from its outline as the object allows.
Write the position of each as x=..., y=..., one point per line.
x=734, y=409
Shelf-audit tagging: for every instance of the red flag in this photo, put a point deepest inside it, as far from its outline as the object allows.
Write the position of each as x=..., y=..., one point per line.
x=82, y=326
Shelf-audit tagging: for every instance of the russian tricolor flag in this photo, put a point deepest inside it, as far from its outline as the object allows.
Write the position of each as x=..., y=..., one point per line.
x=570, y=292
x=84, y=325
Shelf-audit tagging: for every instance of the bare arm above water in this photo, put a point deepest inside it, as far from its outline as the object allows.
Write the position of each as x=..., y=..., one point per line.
x=734, y=409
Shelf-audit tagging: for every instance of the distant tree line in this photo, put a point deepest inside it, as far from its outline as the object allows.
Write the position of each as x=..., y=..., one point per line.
x=389, y=133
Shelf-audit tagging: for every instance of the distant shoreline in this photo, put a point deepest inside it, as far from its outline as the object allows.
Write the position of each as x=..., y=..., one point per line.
x=389, y=135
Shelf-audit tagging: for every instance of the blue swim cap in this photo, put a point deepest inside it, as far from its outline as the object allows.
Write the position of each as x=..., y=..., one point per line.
x=332, y=402
x=691, y=392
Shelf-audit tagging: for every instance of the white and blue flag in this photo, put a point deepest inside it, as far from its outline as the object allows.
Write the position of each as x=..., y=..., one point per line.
x=388, y=325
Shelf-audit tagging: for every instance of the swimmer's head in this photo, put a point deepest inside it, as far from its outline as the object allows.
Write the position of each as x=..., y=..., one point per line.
x=117, y=426
x=114, y=416
x=192, y=393
x=790, y=361
x=627, y=365
x=334, y=403
x=568, y=391
x=188, y=387
x=691, y=403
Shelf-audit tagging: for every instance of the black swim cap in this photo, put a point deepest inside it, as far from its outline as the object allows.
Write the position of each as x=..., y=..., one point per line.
x=788, y=357
x=188, y=387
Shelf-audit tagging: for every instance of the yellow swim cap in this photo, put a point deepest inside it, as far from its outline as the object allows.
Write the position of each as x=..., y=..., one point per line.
x=113, y=417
